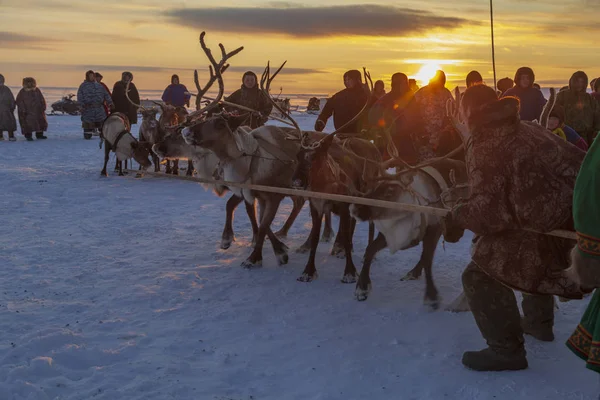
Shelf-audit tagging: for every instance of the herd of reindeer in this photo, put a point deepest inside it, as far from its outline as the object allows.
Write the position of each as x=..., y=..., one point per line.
x=219, y=148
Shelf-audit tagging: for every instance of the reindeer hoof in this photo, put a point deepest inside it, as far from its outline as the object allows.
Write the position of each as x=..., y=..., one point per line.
x=281, y=234
x=104, y=173
x=349, y=278
x=189, y=173
x=327, y=236
x=306, y=278
x=252, y=265
x=305, y=248
x=226, y=242
x=282, y=258
x=338, y=250
x=138, y=176
x=411, y=276
x=432, y=302
x=362, y=294
x=121, y=174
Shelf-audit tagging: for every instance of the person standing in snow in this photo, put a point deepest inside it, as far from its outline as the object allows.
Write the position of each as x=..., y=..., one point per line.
x=531, y=100
x=99, y=78
x=176, y=94
x=585, y=257
x=8, y=122
x=250, y=96
x=92, y=96
x=119, y=98
x=582, y=111
x=31, y=110
x=474, y=78
x=521, y=179
x=378, y=89
x=345, y=105
x=432, y=133
x=596, y=89
x=505, y=84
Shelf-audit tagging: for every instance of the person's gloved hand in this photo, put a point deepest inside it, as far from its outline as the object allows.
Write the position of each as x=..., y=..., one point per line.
x=319, y=125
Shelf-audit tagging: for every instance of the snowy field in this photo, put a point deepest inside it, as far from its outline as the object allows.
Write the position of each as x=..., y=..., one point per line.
x=115, y=288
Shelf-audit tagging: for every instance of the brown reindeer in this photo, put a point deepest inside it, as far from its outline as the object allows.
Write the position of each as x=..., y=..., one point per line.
x=335, y=167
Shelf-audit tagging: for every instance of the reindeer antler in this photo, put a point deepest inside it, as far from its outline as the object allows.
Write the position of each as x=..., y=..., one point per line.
x=453, y=112
x=216, y=74
x=127, y=95
x=265, y=85
x=548, y=108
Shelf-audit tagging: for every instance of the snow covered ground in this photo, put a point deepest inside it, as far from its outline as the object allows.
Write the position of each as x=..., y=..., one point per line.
x=115, y=288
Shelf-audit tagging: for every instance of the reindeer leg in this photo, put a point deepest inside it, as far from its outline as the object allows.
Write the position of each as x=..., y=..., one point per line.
x=116, y=164
x=310, y=271
x=251, y=211
x=338, y=247
x=175, y=170
x=346, y=227
x=328, y=230
x=268, y=214
x=168, y=167
x=228, y=237
x=430, y=241
x=280, y=249
x=371, y=232
x=106, y=157
x=190, y=168
x=121, y=168
x=156, y=162
x=363, y=286
x=298, y=204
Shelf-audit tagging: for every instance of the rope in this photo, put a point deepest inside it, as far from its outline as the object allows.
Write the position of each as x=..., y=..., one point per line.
x=441, y=212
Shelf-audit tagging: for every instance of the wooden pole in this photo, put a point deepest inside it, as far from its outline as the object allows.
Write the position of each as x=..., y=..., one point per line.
x=493, y=47
x=440, y=212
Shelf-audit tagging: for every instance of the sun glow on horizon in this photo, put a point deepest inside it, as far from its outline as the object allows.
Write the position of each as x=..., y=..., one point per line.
x=426, y=72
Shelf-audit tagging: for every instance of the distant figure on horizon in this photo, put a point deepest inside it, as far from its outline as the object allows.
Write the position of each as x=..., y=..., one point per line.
x=532, y=100
x=379, y=89
x=32, y=110
x=504, y=84
x=99, y=78
x=92, y=96
x=175, y=94
x=119, y=98
x=250, y=95
x=474, y=78
x=582, y=111
x=8, y=122
x=345, y=105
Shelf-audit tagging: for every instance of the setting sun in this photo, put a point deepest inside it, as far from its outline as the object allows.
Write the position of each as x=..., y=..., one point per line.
x=426, y=72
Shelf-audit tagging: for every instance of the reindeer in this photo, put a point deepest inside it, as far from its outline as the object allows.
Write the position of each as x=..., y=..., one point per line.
x=335, y=167
x=172, y=116
x=401, y=230
x=116, y=137
x=206, y=162
x=264, y=156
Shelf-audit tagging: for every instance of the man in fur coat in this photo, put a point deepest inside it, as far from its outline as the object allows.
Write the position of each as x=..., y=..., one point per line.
x=521, y=180
x=250, y=95
x=8, y=122
x=582, y=111
x=92, y=97
x=31, y=110
x=119, y=98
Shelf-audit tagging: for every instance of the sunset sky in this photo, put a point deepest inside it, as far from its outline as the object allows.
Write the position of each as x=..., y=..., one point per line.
x=56, y=41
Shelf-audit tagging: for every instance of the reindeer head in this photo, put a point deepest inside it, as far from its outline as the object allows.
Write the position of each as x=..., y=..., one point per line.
x=141, y=154
x=386, y=190
x=310, y=158
x=209, y=133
